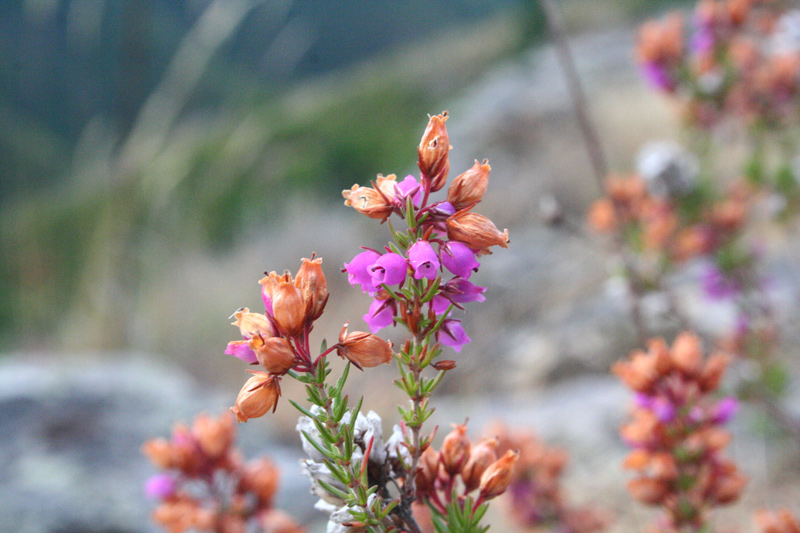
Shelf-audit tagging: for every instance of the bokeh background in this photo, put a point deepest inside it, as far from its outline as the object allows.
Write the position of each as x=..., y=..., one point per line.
x=156, y=157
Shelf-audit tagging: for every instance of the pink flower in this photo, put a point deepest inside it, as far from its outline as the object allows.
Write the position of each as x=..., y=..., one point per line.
x=460, y=291
x=241, y=350
x=423, y=260
x=725, y=410
x=452, y=334
x=458, y=258
x=409, y=187
x=390, y=268
x=358, y=270
x=440, y=304
x=381, y=314
x=160, y=486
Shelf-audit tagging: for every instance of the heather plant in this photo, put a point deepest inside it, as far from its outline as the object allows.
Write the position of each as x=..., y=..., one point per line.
x=417, y=282
x=734, y=71
x=205, y=484
x=676, y=434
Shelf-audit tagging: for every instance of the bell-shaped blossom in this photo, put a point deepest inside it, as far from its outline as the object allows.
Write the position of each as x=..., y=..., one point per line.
x=363, y=349
x=390, y=268
x=380, y=315
x=459, y=291
x=359, y=273
x=241, y=350
x=160, y=486
x=458, y=258
x=725, y=410
x=423, y=260
x=440, y=304
x=258, y=396
x=409, y=187
x=452, y=334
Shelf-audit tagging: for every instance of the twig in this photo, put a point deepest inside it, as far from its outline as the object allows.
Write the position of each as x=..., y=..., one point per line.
x=594, y=148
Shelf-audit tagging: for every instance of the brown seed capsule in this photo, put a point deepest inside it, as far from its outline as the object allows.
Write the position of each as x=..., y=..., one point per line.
x=480, y=457
x=262, y=477
x=288, y=308
x=713, y=371
x=215, y=435
x=160, y=453
x=476, y=231
x=687, y=354
x=455, y=449
x=368, y=201
x=258, y=396
x=427, y=470
x=273, y=353
x=648, y=490
x=364, y=349
x=468, y=188
x=277, y=521
x=311, y=282
x=251, y=324
x=497, y=476
x=433, y=152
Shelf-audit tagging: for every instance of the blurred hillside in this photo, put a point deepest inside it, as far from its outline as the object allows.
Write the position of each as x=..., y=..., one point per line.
x=135, y=135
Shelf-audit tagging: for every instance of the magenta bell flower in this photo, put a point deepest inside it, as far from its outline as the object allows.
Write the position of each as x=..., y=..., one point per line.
x=358, y=270
x=390, y=268
x=241, y=350
x=657, y=76
x=452, y=334
x=458, y=258
x=725, y=410
x=423, y=260
x=440, y=304
x=460, y=291
x=381, y=314
x=160, y=486
x=409, y=187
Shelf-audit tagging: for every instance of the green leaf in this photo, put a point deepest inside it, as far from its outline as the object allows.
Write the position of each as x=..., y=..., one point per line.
x=315, y=444
x=301, y=409
x=333, y=490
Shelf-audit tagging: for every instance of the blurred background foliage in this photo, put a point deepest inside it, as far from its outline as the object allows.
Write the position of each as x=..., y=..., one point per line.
x=131, y=130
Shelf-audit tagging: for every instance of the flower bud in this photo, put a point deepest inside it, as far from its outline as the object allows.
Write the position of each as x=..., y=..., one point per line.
x=468, y=188
x=273, y=353
x=288, y=308
x=480, y=457
x=455, y=449
x=259, y=395
x=363, y=349
x=497, y=476
x=476, y=231
x=434, y=147
x=368, y=201
x=313, y=287
x=214, y=435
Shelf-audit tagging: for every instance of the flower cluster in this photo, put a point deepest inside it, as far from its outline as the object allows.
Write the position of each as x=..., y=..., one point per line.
x=675, y=227
x=278, y=339
x=675, y=432
x=445, y=478
x=740, y=59
x=535, y=495
x=206, y=486
x=424, y=275
x=779, y=522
